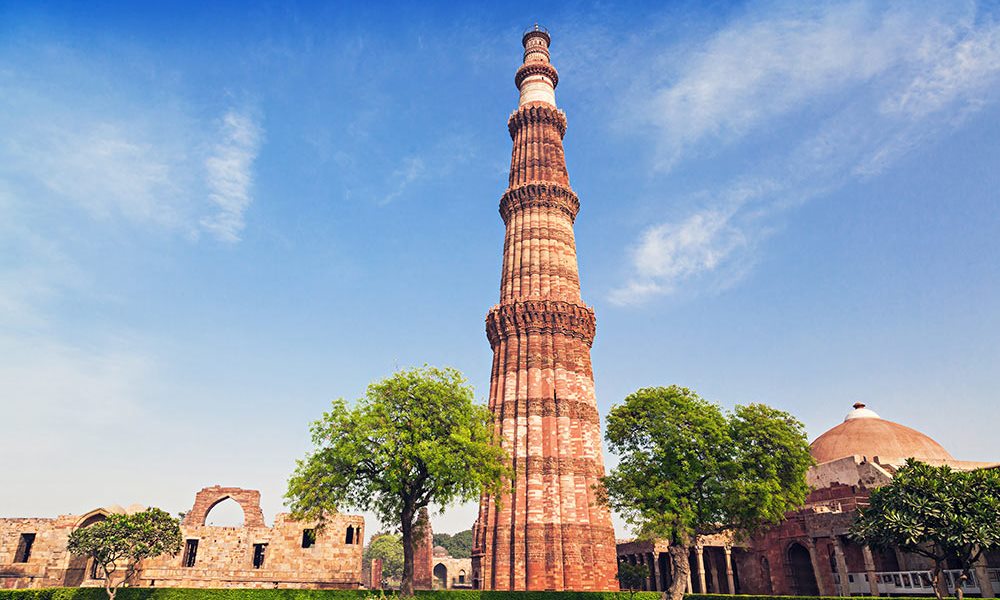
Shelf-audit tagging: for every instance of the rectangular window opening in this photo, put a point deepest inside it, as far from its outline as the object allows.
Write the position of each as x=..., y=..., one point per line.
x=308, y=538
x=24, y=547
x=190, y=553
x=258, y=555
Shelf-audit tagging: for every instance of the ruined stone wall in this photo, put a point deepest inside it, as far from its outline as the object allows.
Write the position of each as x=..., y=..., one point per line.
x=423, y=578
x=224, y=557
x=46, y=564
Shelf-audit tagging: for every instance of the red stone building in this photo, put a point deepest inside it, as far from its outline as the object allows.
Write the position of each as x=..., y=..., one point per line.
x=810, y=552
x=550, y=534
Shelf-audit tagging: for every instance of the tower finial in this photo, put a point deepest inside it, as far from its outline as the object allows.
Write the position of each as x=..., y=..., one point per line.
x=537, y=78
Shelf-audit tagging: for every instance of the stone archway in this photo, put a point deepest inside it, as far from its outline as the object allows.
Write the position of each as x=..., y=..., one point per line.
x=800, y=568
x=80, y=568
x=206, y=499
x=440, y=576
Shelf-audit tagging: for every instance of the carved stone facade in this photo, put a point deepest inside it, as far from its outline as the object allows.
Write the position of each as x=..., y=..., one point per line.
x=290, y=554
x=551, y=533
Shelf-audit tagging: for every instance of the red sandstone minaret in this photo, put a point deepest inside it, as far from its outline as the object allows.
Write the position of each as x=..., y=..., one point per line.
x=550, y=534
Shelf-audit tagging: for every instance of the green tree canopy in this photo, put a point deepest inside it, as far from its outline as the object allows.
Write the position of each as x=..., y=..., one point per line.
x=389, y=548
x=458, y=545
x=936, y=512
x=688, y=468
x=416, y=438
x=118, y=543
x=632, y=577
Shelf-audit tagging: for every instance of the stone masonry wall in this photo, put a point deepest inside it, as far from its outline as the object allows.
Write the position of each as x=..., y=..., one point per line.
x=224, y=558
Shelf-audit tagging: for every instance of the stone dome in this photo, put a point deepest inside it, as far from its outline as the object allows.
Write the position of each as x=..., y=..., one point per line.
x=440, y=551
x=865, y=433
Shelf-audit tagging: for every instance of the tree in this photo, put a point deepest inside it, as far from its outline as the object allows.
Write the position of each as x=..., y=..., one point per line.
x=689, y=469
x=121, y=541
x=458, y=545
x=389, y=548
x=632, y=577
x=416, y=438
x=936, y=512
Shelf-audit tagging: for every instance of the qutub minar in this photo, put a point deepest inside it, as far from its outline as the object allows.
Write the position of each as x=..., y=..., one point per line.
x=550, y=533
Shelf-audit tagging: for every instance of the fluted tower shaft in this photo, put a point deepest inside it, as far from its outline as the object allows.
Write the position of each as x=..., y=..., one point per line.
x=550, y=533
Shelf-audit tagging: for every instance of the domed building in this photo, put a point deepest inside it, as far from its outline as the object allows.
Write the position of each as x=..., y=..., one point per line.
x=810, y=553
x=864, y=433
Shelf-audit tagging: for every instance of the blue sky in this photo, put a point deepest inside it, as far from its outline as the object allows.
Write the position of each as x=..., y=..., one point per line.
x=215, y=219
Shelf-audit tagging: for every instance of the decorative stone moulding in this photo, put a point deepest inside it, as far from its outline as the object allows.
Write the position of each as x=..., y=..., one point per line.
x=542, y=317
x=552, y=407
x=535, y=114
x=546, y=194
x=540, y=68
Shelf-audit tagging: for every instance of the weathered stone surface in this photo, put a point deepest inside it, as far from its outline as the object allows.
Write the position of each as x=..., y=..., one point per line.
x=224, y=558
x=550, y=533
x=423, y=553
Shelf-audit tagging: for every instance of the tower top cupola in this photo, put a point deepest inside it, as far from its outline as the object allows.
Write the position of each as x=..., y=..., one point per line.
x=537, y=78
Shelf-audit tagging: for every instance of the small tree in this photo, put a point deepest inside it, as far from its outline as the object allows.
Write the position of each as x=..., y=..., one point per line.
x=415, y=439
x=632, y=577
x=689, y=469
x=118, y=543
x=389, y=548
x=936, y=512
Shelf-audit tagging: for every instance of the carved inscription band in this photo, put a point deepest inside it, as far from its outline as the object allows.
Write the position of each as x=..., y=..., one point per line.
x=549, y=195
x=540, y=316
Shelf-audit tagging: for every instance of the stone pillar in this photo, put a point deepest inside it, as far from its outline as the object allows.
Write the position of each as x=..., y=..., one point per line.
x=699, y=555
x=983, y=577
x=817, y=571
x=656, y=571
x=376, y=574
x=730, y=580
x=845, y=581
x=423, y=553
x=642, y=562
x=653, y=570
x=866, y=552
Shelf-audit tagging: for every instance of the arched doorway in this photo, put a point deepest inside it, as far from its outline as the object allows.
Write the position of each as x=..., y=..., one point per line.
x=801, y=570
x=81, y=568
x=440, y=576
x=225, y=512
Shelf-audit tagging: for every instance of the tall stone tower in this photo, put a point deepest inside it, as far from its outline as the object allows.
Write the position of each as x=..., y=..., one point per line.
x=550, y=533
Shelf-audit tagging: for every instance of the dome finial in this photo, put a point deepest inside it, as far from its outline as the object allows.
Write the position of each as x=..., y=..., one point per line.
x=861, y=411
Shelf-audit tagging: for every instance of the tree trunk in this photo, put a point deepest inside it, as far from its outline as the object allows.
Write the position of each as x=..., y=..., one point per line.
x=679, y=556
x=960, y=585
x=940, y=589
x=406, y=586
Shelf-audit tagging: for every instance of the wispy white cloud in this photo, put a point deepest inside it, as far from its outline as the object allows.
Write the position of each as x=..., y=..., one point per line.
x=852, y=86
x=230, y=174
x=410, y=170
x=88, y=135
